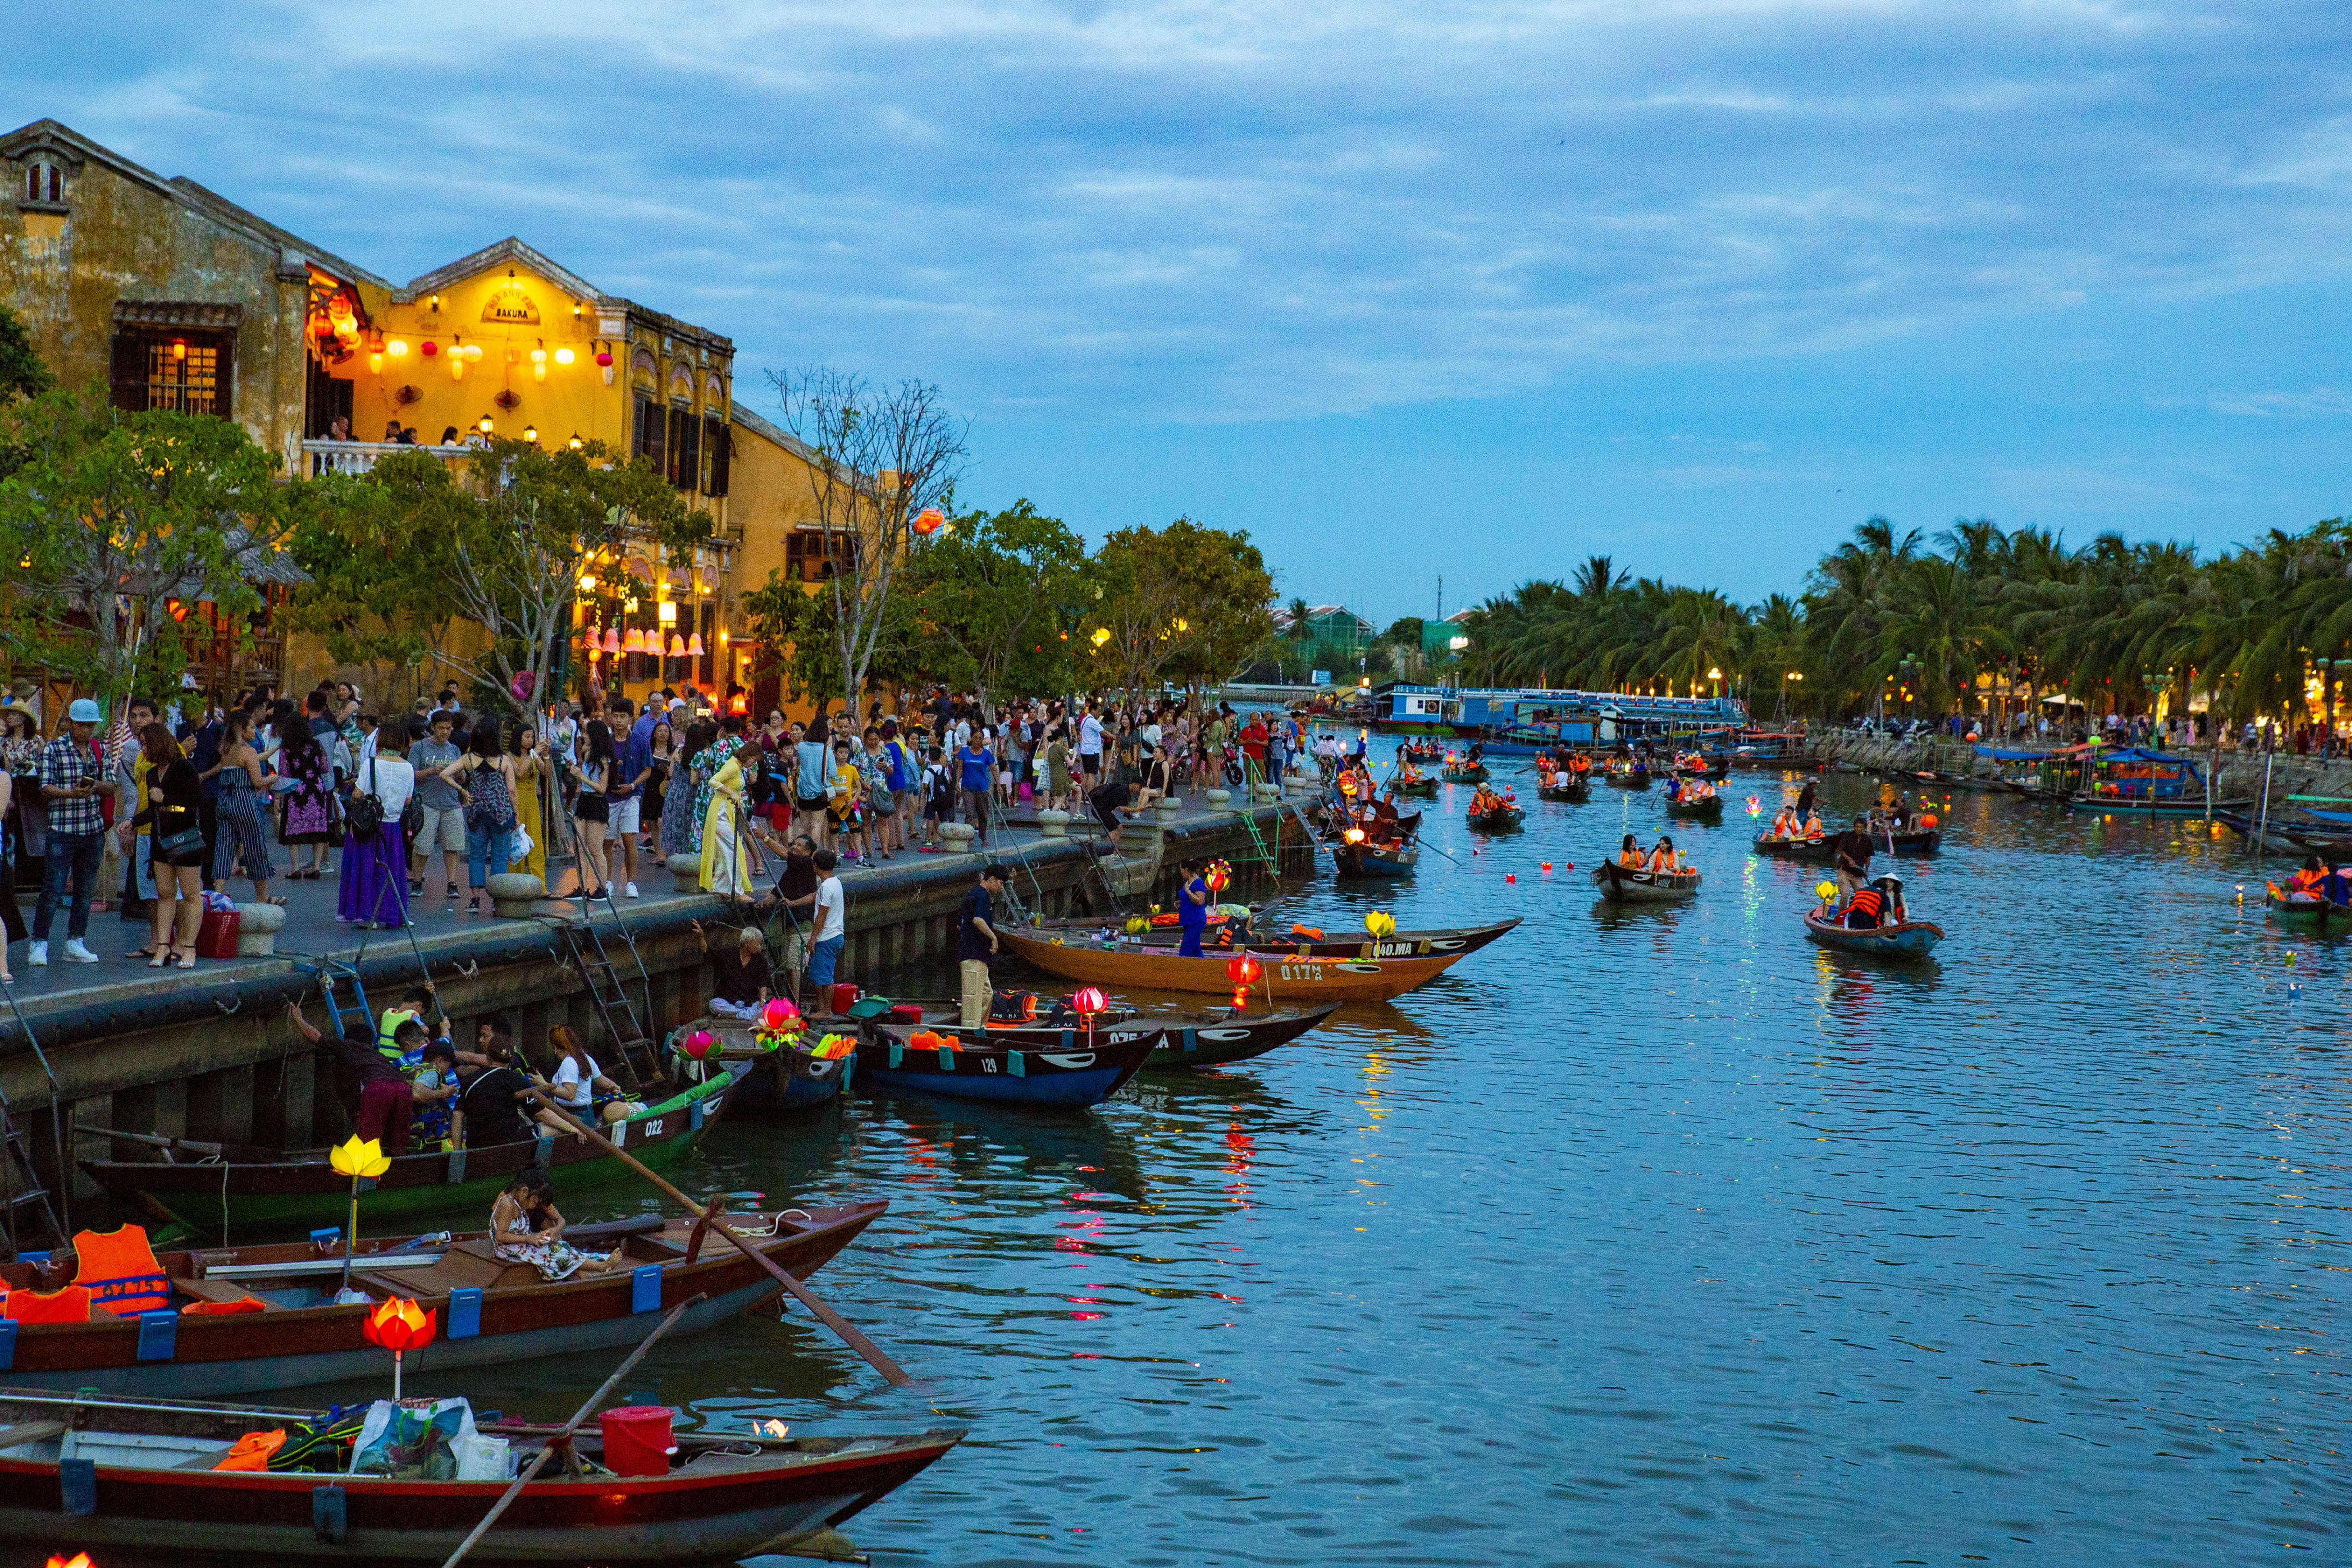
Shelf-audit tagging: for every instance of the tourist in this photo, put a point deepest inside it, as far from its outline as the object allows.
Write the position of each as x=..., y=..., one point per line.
x=440, y=843
x=485, y=775
x=1090, y=744
x=831, y=934
x=845, y=802
x=527, y=1227
x=661, y=754
x=881, y=801
x=975, y=783
x=813, y=758
x=1191, y=906
x=131, y=771
x=632, y=764
x=901, y=770
x=433, y=1093
x=726, y=853
x=534, y=769
x=590, y=816
x=308, y=784
x=1058, y=792
x=939, y=797
x=580, y=1088
x=743, y=979
x=173, y=818
x=1851, y=854
x=373, y=888
x=497, y=1105
x=72, y=775
x=243, y=838
x=976, y=946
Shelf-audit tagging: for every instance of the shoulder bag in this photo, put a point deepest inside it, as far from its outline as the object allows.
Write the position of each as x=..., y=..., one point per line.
x=363, y=814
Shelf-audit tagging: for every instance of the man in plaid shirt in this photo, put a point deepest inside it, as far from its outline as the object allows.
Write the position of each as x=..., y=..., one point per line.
x=72, y=780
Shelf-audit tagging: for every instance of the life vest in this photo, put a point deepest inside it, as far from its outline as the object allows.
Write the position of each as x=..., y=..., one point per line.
x=120, y=1270
x=1013, y=1006
x=1633, y=860
x=2305, y=881
x=1313, y=934
x=70, y=1305
x=1864, y=908
x=252, y=1451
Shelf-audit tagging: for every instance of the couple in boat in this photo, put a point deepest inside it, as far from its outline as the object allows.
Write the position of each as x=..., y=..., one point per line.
x=1879, y=903
x=1690, y=791
x=1662, y=860
x=1790, y=824
x=2321, y=880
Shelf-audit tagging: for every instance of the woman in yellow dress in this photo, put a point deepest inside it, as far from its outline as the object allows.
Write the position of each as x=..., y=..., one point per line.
x=726, y=857
x=533, y=769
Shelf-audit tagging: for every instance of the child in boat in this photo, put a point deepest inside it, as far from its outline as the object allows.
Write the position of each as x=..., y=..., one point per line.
x=527, y=1227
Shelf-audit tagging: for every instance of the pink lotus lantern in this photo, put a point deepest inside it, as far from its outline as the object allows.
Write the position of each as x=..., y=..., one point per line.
x=697, y=1043
x=779, y=1013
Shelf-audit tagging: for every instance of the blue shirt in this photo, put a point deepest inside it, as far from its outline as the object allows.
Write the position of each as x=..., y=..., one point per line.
x=1188, y=913
x=978, y=767
x=635, y=753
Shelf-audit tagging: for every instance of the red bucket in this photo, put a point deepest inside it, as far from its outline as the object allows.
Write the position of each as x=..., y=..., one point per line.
x=844, y=995
x=637, y=1440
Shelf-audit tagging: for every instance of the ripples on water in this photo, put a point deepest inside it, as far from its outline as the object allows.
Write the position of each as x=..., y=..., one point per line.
x=1654, y=1235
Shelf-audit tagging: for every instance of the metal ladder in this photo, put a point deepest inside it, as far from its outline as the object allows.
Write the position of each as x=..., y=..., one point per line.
x=622, y=1026
x=20, y=1181
x=330, y=970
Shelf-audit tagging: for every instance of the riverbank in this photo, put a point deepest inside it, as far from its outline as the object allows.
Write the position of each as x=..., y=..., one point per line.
x=2239, y=775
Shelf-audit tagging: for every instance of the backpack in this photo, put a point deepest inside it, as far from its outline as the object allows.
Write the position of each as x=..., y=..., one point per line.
x=941, y=784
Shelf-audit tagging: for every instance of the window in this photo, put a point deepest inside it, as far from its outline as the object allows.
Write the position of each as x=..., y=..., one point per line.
x=182, y=376
x=685, y=449
x=652, y=429
x=43, y=182
x=719, y=453
x=806, y=558
x=178, y=372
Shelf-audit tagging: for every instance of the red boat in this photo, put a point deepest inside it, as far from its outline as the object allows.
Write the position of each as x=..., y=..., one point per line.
x=124, y=1480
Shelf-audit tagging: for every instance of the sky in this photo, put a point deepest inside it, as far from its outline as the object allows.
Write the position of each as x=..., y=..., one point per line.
x=1429, y=298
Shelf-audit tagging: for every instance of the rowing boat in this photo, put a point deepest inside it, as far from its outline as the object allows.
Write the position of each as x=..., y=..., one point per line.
x=1620, y=885
x=1627, y=778
x=135, y=1478
x=1912, y=939
x=1299, y=942
x=251, y=1187
x=268, y=1317
x=1821, y=850
x=1708, y=809
x=1505, y=818
x=1302, y=974
x=1573, y=794
x=2286, y=906
x=1191, y=1037
x=1424, y=785
x=982, y=1064
x=1371, y=860
x=1476, y=773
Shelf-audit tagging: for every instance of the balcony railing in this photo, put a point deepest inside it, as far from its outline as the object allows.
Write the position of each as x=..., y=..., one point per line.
x=359, y=456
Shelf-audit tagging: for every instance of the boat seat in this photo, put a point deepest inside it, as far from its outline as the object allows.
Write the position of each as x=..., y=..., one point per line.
x=469, y=1265
x=213, y=1291
x=25, y=1432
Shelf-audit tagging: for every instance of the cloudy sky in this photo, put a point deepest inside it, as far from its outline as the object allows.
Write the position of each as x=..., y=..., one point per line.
x=1409, y=291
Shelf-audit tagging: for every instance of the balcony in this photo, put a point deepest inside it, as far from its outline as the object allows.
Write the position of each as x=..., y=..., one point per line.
x=359, y=456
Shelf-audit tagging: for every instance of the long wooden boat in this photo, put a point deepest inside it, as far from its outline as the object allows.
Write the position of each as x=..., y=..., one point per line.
x=1186, y=1038
x=270, y=1318
x=1406, y=823
x=771, y=1083
x=1912, y=939
x=1708, y=810
x=1622, y=887
x=1370, y=860
x=251, y=1187
x=1301, y=974
x=134, y=1479
x=1573, y=794
x=2286, y=906
x=1714, y=768
x=981, y=1064
x=1821, y=850
x=1441, y=941
x=1496, y=820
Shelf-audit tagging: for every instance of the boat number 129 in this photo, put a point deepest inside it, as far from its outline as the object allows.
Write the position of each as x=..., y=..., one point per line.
x=1302, y=971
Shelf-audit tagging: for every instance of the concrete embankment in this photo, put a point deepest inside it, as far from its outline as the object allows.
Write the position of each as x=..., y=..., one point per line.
x=2240, y=776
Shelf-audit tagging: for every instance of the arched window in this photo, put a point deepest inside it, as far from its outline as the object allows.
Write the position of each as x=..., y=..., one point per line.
x=43, y=182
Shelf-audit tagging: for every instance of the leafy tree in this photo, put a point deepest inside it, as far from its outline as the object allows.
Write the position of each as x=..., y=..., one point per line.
x=1001, y=592
x=1185, y=603
x=379, y=552
x=23, y=374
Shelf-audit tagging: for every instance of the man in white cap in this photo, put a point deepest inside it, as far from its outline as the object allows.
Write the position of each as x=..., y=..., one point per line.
x=72, y=780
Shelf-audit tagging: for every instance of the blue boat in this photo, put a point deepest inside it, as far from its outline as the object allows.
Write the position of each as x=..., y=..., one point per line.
x=1912, y=940
x=789, y=1080
x=1095, y=1066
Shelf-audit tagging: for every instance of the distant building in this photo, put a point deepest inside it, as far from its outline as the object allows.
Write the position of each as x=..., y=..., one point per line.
x=1333, y=624
x=1440, y=639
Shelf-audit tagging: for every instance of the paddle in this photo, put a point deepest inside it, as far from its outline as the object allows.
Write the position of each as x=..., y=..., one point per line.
x=800, y=1293
x=569, y=1426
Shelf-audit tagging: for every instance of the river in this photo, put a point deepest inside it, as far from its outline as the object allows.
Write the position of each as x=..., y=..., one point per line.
x=1652, y=1236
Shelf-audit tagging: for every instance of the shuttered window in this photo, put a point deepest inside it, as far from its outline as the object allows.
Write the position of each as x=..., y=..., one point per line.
x=652, y=431
x=686, y=448
x=181, y=372
x=718, y=449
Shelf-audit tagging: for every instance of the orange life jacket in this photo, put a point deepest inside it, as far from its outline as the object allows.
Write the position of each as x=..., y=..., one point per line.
x=1313, y=934
x=70, y=1305
x=120, y=1270
x=1633, y=860
x=1868, y=902
x=252, y=1451
x=2305, y=881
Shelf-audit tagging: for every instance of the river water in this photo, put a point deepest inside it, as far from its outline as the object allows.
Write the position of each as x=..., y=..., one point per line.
x=1654, y=1235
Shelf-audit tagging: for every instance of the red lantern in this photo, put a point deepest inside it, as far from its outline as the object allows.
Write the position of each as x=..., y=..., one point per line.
x=605, y=357
x=1244, y=970
x=778, y=1014
x=428, y=347
x=928, y=519
x=1241, y=997
x=1089, y=1000
x=79, y=1559
x=399, y=1325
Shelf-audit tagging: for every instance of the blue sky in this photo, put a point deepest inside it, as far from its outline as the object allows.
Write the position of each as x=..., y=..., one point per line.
x=1406, y=290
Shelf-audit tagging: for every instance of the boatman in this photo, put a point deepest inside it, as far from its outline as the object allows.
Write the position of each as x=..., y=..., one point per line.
x=1193, y=908
x=976, y=945
x=1851, y=852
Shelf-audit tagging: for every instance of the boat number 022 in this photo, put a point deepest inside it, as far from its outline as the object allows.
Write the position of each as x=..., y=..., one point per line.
x=1302, y=971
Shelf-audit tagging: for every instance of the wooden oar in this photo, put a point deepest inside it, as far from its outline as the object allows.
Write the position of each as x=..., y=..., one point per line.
x=564, y=1436
x=800, y=1293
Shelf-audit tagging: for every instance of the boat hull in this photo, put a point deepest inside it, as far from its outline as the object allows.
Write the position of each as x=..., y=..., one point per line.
x=1289, y=976
x=2305, y=909
x=1363, y=861
x=1622, y=887
x=1447, y=942
x=1909, y=942
x=1221, y=1042
x=1464, y=775
x=1426, y=788
x=1566, y=794
x=1083, y=1073
x=232, y=1196
x=1821, y=850
x=1707, y=810
x=1626, y=780
x=772, y=1082
x=1506, y=820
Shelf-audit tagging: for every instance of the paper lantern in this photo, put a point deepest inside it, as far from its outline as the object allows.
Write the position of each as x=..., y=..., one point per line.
x=779, y=1013
x=1089, y=1000
x=694, y=646
x=1354, y=835
x=398, y=1325
x=357, y=1159
x=1244, y=970
x=428, y=347
x=59, y=1560
x=604, y=358
x=697, y=1044
x=676, y=646
x=1825, y=892
x=1381, y=922
x=928, y=519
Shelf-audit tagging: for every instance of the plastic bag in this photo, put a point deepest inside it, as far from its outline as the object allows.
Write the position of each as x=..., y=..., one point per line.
x=416, y=1439
x=521, y=845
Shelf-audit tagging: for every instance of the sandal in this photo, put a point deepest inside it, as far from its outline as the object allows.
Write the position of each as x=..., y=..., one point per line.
x=140, y=952
x=187, y=958
x=159, y=959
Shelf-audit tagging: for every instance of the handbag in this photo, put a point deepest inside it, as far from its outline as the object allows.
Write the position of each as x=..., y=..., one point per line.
x=187, y=841
x=364, y=813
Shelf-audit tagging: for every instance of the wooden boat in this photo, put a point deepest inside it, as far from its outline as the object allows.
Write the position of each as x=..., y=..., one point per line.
x=1476, y=773
x=1442, y=941
x=1627, y=778
x=122, y=1478
x=1371, y=860
x=1912, y=939
x=1622, y=887
x=1708, y=809
x=1185, y=1038
x=1567, y=790
x=249, y=1187
x=2301, y=906
x=982, y=1064
x=1303, y=975
x=1503, y=819
x=1821, y=850
x=491, y=1312
x=1407, y=825
x=770, y=1083
x=1424, y=785
x=1713, y=769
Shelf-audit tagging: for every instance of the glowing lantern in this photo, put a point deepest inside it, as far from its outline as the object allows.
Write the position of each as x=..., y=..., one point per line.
x=676, y=646
x=605, y=357
x=396, y=347
x=539, y=364
x=634, y=643
x=1825, y=892
x=376, y=362
x=1102, y=635
x=473, y=353
x=1354, y=835
x=59, y=1560
x=1244, y=970
x=779, y=1013
x=399, y=1325
x=361, y=1161
x=697, y=1043
x=1089, y=1000
x=694, y=646
x=612, y=640
x=1755, y=807
x=564, y=356
x=428, y=348
x=1381, y=922
x=928, y=519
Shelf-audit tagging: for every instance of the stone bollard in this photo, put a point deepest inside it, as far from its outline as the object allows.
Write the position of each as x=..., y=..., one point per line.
x=1165, y=809
x=956, y=838
x=1219, y=800
x=687, y=871
x=1265, y=794
x=257, y=926
x=1052, y=824
x=512, y=893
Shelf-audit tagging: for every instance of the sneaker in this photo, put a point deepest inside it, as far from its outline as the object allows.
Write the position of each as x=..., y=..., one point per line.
x=78, y=953
x=40, y=955
x=631, y=890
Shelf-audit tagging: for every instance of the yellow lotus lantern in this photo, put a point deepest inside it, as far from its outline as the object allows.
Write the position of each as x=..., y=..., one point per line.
x=1381, y=922
x=1825, y=891
x=361, y=1159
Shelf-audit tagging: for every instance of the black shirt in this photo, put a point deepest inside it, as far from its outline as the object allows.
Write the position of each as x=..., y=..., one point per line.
x=493, y=1115
x=741, y=981
x=972, y=944
x=1853, y=847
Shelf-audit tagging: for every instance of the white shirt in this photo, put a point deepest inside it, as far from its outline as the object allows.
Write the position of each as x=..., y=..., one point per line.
x=830, y=909
x=572, y=1090
x=391, y=779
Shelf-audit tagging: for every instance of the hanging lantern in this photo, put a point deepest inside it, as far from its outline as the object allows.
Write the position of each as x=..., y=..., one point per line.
x=928, y=519
x=539, y=364
x=676, y=646
x=564, y=356
x=634, y=643
x=694, y=646
x=612, y=640
x=1244, y=970
x=399, y=1325
x=428, y=348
